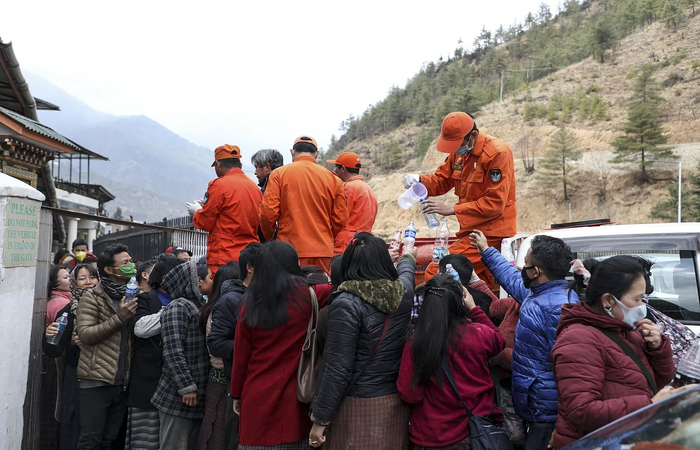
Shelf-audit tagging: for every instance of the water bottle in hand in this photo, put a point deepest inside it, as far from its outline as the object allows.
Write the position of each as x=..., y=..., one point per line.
x=396, y=240
x=441, y=242
x=409, y=239
x=449, y=270
x=430, y=219
x=62, y=322
x=132, y=288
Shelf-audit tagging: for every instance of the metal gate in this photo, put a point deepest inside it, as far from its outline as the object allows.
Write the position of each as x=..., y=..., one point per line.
x=32, y=399
x=192, y=240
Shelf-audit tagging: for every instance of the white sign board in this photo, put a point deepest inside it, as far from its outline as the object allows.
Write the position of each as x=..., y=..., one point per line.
x=21, y=232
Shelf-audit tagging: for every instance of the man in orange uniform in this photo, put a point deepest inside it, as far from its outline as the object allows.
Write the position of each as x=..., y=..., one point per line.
x=229, y=209
x=480, y=169
x=361, y=200
x=305, y=202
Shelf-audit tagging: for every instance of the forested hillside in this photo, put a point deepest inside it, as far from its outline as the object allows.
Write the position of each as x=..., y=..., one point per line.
x=576, y=73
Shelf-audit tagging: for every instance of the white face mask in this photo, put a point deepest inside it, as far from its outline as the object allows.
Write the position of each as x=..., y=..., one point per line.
x=631, y=315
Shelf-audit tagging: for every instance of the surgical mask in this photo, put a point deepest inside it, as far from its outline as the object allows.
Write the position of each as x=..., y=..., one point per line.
x=128, y=270
x=463, y=150
x=631, y=315
x=527, y=281
x=80, y=256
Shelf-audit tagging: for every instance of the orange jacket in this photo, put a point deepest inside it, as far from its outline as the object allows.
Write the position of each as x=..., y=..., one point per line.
x=362, y=211
x=307, y=204
x=230, y=215
x=484, y=181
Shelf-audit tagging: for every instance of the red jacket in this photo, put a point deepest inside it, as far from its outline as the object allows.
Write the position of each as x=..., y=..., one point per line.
x=438, y=418
x=597, y=382
x=230, y=215
x=507, y=310
x=264, y=376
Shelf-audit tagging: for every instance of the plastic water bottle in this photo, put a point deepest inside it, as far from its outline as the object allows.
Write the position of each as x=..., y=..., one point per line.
x=441, y=242
x=132, y=288
x=409, y=238
x=396, y=240
x=430, y=219
x=449, y=270
x=62, y=322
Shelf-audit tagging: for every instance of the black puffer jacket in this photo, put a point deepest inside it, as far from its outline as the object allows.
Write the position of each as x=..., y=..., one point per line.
x=355, y=324
x=224, y=317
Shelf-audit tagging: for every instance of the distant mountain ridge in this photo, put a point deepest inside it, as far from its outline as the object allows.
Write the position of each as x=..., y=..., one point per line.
x=151, y=170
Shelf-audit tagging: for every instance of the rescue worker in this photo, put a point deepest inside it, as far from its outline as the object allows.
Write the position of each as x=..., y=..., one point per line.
x=360, y=198
x=229, y=209
x=265, y=161
x=480, y=169
x=305, y=203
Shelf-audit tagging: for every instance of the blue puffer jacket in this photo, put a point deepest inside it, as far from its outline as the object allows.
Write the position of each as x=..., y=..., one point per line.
x=534, y=388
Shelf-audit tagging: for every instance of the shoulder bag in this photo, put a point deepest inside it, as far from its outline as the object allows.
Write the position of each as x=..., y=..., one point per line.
x=310, y=361
x=485, y=434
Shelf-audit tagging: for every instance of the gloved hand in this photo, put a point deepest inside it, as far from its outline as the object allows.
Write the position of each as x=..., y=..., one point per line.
x=578, y=268
x=409, y=180
x=193, y=207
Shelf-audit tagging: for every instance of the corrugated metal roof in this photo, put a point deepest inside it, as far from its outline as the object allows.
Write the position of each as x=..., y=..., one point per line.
x=48, y=132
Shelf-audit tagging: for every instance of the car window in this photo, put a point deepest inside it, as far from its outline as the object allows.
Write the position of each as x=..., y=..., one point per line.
x=674, y=278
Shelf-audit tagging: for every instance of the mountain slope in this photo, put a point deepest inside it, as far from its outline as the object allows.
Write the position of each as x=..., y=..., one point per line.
x=151, y=170
x=673, y=52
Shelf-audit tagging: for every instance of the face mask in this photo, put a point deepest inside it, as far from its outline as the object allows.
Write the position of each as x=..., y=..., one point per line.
x=631, y=315
x=465, y=149
x=80, y=256
x=128, y=270
x=527, y=281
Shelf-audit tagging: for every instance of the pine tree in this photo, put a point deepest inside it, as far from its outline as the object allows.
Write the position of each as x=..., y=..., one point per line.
x=643, y=132
x=672, y=13
x=393, y=154
x=601, y=38
x=555, y=163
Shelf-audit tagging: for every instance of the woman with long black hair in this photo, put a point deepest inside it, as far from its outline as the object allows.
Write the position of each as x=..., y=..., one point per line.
x=267, y=349
x=449, y=326
x=367, y=328
x=212, y=433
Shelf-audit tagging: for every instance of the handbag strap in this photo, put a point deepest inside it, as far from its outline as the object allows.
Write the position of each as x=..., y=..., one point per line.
x=451, y=378
x=312, y=326
x=634, y=356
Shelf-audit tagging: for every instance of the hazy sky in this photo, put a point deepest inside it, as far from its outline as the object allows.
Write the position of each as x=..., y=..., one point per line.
x=253, y=73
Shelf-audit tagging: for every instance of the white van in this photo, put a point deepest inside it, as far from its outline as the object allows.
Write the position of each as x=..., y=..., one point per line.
x=673, y=247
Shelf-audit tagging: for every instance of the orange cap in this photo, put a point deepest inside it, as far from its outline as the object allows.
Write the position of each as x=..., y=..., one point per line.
x=306, y=139
x=348, y=159
x=225, y=152
x=454, y=128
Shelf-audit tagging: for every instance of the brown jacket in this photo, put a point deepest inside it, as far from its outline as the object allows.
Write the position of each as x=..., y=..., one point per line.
x=100, y=332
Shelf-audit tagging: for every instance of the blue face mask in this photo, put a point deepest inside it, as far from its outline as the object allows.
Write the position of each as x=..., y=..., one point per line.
x=463, y=150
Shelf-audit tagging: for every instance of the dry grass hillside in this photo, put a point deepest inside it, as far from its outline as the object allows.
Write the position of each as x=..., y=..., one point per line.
x=538, y=207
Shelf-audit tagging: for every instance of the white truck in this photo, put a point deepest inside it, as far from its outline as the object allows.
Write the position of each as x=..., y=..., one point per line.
x=673, y=247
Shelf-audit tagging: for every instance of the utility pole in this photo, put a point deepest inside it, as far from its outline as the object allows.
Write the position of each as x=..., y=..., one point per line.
x=500, y=103
x=680, y=176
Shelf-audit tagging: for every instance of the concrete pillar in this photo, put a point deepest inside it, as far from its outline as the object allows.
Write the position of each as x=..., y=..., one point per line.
x=72, y=231
x=92, y=234
x=20, y=207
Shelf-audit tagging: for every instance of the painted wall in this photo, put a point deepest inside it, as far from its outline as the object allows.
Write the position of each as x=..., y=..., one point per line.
x=19, y=206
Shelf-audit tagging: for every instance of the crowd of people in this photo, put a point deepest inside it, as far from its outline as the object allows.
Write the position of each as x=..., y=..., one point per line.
x=295, y=294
